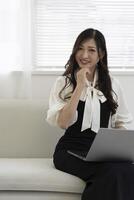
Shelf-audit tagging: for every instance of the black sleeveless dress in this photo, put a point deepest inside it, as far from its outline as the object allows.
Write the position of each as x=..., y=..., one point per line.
x=74, y=139
x=104, y=180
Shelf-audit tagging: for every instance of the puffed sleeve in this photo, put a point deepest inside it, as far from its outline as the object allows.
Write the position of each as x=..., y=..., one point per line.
x=55, y=102
x=123, y=117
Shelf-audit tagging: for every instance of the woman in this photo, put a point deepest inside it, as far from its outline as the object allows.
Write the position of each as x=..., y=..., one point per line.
x=84, y=99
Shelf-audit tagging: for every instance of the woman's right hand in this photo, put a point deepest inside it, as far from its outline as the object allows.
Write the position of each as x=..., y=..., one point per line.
x=82, y=75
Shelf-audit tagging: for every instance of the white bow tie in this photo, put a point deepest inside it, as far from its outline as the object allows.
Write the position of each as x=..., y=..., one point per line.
x=91, y=118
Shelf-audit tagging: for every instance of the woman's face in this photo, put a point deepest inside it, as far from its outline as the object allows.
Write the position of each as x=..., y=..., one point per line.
x=87, y=55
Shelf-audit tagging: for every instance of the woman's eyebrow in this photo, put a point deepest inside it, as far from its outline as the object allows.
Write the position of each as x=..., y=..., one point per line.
x=88, y=46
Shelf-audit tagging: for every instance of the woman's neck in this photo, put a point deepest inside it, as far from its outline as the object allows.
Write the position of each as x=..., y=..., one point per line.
x=91, y=76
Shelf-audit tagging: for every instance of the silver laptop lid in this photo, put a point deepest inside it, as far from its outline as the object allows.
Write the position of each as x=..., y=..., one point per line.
x=112, y=145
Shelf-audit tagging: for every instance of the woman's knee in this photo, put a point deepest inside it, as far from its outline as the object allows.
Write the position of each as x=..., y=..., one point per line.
x=119, y=170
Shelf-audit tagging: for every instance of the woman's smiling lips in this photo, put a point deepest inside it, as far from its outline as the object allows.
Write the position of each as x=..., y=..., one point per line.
x=85, y=62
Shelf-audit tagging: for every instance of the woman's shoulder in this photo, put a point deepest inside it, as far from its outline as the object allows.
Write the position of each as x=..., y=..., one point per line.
x=60, y=78
x=60, y=81
x=115, y=83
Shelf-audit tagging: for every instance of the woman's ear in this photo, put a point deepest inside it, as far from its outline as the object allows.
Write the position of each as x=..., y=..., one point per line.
x=101, y=54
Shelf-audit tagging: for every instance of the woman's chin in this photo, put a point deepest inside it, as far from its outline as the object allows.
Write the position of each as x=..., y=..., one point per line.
x=86, y=66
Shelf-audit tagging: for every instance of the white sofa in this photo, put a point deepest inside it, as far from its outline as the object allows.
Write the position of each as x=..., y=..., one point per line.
x=26, y=146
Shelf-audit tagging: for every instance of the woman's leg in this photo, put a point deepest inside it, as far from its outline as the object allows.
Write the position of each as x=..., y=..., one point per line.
x=114, y=181
x=104, y=181
x=73, y=165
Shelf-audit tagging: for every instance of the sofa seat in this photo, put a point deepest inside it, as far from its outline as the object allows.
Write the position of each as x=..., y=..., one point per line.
x=36, y=174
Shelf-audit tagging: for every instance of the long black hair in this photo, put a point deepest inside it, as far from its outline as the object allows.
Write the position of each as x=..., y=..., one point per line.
x=104, y=80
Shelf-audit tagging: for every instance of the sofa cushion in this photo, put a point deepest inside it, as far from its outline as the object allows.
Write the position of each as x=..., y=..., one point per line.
x=24, y=132
x=36, y=174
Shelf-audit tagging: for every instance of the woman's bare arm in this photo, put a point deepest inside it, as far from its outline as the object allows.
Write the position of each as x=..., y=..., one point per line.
x=67, y=113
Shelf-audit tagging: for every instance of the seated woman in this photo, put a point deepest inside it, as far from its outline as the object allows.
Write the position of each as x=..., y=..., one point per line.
x=84, y=99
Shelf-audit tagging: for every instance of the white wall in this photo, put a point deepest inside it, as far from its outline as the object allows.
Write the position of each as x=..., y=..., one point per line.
x=42, y=84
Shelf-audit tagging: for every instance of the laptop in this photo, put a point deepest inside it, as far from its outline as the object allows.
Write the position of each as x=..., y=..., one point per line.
x=110, y=145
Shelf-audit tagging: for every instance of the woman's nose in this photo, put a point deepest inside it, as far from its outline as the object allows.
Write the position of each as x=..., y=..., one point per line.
x=85, y=54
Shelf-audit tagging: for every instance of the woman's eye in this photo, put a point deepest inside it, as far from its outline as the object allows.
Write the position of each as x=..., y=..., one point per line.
x=80, y=48
x=92, y=50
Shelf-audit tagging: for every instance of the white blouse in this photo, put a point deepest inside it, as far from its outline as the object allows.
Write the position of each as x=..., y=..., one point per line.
x=91, y=118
